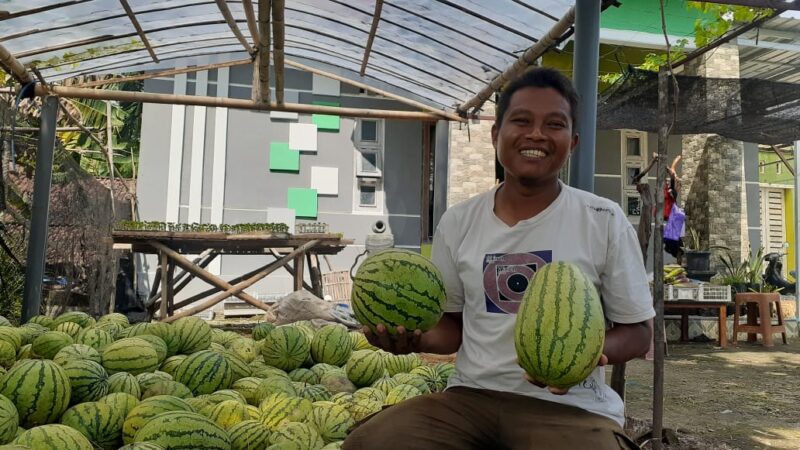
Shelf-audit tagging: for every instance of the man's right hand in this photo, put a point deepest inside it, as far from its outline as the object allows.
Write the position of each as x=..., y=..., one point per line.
x=399, y=343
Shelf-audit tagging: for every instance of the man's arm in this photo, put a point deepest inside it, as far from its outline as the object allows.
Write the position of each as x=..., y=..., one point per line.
x=444, y=338
x=625, y=342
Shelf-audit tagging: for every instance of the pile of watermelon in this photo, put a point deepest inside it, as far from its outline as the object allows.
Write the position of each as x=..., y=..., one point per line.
x=74, y=383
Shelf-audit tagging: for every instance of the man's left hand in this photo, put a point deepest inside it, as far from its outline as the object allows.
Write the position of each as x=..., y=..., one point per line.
x=556, y=390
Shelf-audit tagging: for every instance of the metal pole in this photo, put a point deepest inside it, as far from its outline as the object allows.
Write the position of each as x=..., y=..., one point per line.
x=37, y=241
x=441, y=156
x=584, y=75
x=796, y=232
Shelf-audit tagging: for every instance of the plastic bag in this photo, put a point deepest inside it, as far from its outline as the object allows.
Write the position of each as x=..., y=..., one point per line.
x=303, y=305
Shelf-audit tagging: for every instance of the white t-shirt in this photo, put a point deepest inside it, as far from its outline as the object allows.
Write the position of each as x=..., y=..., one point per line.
x=486, y=266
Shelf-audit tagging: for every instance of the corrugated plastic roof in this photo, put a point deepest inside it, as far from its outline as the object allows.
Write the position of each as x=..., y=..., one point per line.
x=440, y=51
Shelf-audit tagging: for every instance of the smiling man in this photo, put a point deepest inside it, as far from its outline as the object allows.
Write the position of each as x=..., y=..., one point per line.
x=487, y=249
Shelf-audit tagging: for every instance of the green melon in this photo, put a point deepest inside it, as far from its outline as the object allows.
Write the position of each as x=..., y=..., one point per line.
x=360, y=342
x=204, y=372
x=314, y=392
x=370, y=393
x=124, y=382
x=249, y=435
x=167, y=387
x=331, y=345
x=78, y=317
x=331, y=421
x=8, y=355
x=304, y=375
x=363, y=407
x=414, y=380
x=9, y=420
x=118, y=318
x=273, y=385
x=243, y=348
x=278, y=409
x=148, y=379
x=71, y=328
x=194, y=334
x=132, y=355
x=146, y=410
x=158, y=345
x=75, y=352
x=54, y=437
x=560, y=327
x=239, y=368
x=31, y=331
x=248, y=387
x=364, y=367
x=48, y=344
x=171, y=363
x=178, y=430
x=261, y=330
x=121, y=404
x=400, y=393
x=44, y=321
x=94, y=337
x=39, y=389
x=141, y=446
x=285, y=347
x=228, y=413
x=297, y=433
x=225, y=394
x=431, y=377
x=385, y=384
x=398, y=287
x=87, y=379
x=97, y=422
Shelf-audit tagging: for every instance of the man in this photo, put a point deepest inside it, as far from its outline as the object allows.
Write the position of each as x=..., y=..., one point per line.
x=487, y=249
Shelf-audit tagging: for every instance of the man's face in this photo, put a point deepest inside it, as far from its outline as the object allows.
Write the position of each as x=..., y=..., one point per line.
x=535, y=138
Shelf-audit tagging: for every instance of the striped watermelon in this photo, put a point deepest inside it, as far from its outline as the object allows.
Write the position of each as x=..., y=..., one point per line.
x=278, y=409
x=314, y=392
x=275, y=385
x=141, y=446
x=25, y=352
x=39, y=389
x=342, y=398
x=385, y=384
x=44, y=321
x=363, y=407
x=398, y=287
x=194, y=334
x=31, y=331
x=78, y=317
x=204, y=372
x=158, y=345
x=560, y=327
x=304, y=375
x=360, y=341
x=243, y=348
x=261, y=330
x=223, y=337
x=171, y=363
x=331, y=345
x=71, y=328
x=370, y=393
x=119, y=318
x=248, y=387
x=95, y=420
x=148, y=379
x=431, y=376
x=337, y=381
x=239, y=368
x=225, y=394
x=9, y=420
x=88, y=380
x=321, y=368
x=121, y=404
x=400, y=393
x=75, y=352
x=331, y=421
x=414, y=380
x=124, y=382
x=8, y=355
x=146, y=410
x=399, y=363
x=249, y=435
x=364, y=367
x=298, y=433
x=54, y=437
x=285, y=347
x=228, y=413
x=48, y=344
x=178, y=430
x=132, y=355
x=167, y=387
x=168, y=333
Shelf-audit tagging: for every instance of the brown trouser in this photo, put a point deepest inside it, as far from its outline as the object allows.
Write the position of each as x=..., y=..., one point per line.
x=476, y=419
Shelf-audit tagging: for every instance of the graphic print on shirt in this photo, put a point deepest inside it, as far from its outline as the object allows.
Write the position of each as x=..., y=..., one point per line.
x=506, y=276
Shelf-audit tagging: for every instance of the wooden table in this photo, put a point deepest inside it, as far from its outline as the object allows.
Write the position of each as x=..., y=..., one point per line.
x=291, y=252
x=683, y=305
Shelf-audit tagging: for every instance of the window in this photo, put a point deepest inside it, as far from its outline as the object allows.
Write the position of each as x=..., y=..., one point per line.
x=633, y=145
x=633, y=205
x=633, y=156
x=631, y=172
x=369, y=144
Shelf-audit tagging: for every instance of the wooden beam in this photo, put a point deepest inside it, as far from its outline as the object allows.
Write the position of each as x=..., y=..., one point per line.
x=139, y=30
x=261, y=69
x=278, y=35
x=376, y=18
x=164, y=284
x=5, y=15
x=17, y=69
x=164, y=73
x=226, y=13
x=413, y=103
x=239, y=287
x=774, y=4
x=191, y=100
x=783, y=158
x=252, y=26
x=522, y=63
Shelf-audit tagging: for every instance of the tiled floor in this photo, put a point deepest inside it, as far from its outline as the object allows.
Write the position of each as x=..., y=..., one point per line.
x=700, y=325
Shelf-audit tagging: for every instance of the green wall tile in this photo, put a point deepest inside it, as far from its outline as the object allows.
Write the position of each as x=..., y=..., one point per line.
x=326, y=122
x=303, y=201
x=281, y=157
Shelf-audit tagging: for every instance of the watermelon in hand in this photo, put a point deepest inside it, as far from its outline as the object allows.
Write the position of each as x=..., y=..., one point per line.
x=398, y=288
x=560, y=328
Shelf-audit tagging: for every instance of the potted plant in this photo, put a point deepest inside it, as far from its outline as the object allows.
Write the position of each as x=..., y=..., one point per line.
x=755, y=271
x=698, y=256
x=733, y=274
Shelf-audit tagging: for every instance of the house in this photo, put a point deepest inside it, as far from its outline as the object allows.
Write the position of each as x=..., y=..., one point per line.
x=776, y=186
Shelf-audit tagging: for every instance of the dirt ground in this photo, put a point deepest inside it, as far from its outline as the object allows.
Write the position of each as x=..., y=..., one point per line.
x=744, y=397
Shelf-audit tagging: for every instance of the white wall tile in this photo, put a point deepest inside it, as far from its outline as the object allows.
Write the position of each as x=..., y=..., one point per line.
x=303, y=136
x=325, y=180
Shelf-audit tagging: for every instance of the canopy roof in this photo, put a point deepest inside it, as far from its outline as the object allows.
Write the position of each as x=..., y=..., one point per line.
x=441, y=52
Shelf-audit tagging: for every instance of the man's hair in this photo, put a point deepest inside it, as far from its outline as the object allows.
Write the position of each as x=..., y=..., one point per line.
x=540, y=77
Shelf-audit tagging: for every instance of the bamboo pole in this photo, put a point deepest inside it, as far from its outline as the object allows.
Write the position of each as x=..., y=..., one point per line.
x=260, y=83
x=239, y=287
x=226, y=13
x=139, y=30
x=164, y=73
x=783, y=159
x=192, y=100
x=522, y=63
x=413, y=103
x=376, y=18
x=36, y=129
x=252, y=26
x=110, y=157
x=278, y=35
x=16, y=67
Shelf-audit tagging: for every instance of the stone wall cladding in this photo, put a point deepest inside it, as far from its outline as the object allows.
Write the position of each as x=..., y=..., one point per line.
x=712, y=170
x=471, y=166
